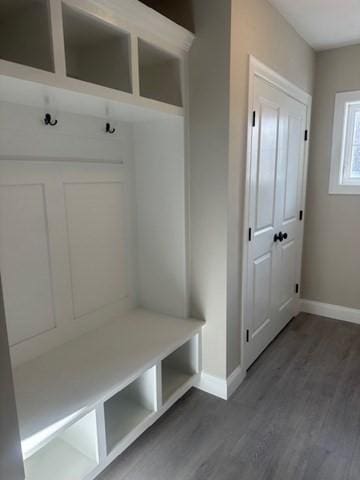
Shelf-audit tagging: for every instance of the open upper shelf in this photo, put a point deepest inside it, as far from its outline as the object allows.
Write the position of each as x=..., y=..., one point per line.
x=25, y=33
x=123, y=53
x=160, y=74
x=96, y=52
x=91, y=367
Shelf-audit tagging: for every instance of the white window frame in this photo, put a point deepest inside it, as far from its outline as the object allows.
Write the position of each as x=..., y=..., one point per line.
x=346, y=106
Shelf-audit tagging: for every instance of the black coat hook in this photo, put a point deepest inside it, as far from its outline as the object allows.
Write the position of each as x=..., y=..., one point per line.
x=48, y=121
x=109, y=129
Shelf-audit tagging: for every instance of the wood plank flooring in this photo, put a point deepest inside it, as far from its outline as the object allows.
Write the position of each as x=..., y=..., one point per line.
x=296, y=417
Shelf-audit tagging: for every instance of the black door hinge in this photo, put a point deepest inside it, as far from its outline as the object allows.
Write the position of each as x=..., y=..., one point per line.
x=247, y=336
x=250, y=234
x=306, y=136
x=254, y=119
x=301, y=215
x=297, y=288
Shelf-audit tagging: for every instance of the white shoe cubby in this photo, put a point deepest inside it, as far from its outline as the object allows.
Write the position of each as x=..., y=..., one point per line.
x=71, y=454
x=25, y=33
x=178, y=368
x=128, y=409
x=144, y=363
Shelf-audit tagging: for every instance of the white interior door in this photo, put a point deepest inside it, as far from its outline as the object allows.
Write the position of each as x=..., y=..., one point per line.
x=276, y=177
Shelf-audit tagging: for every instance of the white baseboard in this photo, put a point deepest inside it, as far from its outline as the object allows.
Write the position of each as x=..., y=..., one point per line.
x=213, y=385
x=337, y=312
x=235, y=380
x=221, y=387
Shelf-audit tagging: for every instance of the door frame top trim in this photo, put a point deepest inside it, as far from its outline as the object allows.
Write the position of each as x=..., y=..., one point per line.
x=259, y=69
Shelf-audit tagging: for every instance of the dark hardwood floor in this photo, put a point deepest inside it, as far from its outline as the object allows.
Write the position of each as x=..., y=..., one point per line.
x=296, y=416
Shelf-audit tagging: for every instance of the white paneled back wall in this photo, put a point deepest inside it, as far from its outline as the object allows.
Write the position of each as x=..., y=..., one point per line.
x=160, y=173
x=66, y=237
x=91, y=224
x=82, y=137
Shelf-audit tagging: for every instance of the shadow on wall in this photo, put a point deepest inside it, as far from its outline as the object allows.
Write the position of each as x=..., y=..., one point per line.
x=180, y=11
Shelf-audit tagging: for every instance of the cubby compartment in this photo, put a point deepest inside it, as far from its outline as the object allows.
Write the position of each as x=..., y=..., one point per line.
x=179, y=367
x=25, y=33
x=128, y=409
x=95, y=51
x=160, y=77
x=72, y=454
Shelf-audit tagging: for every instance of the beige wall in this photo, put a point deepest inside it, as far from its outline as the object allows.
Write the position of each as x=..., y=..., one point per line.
x=331, y=262
x=209, y=127
x=227, y=32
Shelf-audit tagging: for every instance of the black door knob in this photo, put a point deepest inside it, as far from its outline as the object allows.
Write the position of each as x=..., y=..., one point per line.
x=278, y=237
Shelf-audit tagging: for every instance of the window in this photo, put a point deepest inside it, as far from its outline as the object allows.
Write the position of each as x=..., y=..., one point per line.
x=345, y=162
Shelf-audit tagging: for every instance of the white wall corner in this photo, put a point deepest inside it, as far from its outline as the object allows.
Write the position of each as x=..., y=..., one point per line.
x=336, y=312
x=221, y=387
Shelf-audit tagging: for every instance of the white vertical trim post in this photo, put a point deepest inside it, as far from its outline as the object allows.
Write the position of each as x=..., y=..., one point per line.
x=57, y=30
x=134, y=64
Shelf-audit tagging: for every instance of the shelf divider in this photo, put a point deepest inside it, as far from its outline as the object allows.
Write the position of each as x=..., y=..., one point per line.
x=134, y=58
x=57, y=37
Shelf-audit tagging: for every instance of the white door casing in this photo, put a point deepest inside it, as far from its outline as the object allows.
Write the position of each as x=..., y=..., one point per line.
x=275, y=189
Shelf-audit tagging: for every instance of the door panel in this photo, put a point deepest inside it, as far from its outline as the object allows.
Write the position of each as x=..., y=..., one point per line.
x=293, y=161
x=262, y=292
x=287, y=220
x=287, y=272
x=276, y=177
x=265, y=195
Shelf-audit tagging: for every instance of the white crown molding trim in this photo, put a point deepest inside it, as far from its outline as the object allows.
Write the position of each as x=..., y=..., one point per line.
x=148, y=20
x=336, y=312
x=220, y=387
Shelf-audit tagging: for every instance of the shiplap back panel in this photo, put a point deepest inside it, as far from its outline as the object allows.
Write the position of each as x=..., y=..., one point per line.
x=66, y=248
x=82, y=137
x=25, y=261
x=97, y=237
x=161, y=216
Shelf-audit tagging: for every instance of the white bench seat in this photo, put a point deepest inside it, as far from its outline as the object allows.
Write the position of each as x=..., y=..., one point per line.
x=55, y=389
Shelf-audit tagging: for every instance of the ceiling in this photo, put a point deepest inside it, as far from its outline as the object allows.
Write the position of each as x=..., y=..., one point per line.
x=323, y=24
